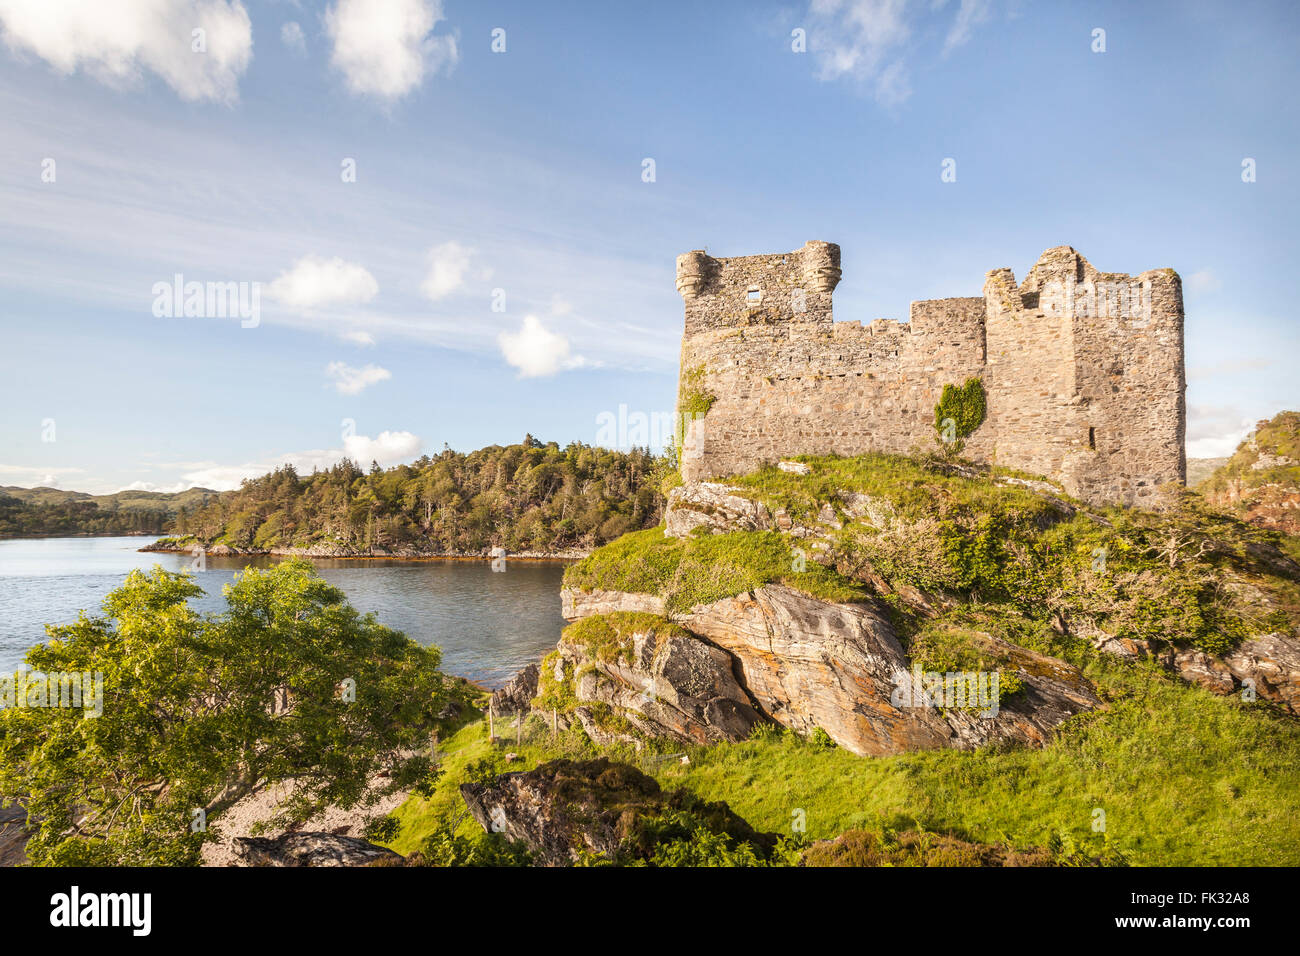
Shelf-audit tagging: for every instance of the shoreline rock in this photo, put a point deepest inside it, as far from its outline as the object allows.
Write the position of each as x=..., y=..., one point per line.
x=343, y=554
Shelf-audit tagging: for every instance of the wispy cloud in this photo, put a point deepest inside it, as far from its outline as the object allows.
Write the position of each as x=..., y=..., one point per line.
x=291, y=35
x=872, y=42
x=36, y=476
x=969, y=15
x=1203, y=281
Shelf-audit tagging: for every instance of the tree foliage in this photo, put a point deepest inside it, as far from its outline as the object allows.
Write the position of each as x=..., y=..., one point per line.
x=525, y=497
x=289, y=683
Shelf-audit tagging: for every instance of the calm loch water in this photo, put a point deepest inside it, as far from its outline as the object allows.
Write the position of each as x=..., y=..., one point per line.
x=489, y=624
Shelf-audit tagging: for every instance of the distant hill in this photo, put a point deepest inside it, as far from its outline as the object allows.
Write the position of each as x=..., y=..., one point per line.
x=1261, y=481
x=1198, y=469
x=41, y=512
x=143, y=500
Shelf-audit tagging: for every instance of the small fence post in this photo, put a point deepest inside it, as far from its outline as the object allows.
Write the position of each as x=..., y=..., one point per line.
x=491, y=713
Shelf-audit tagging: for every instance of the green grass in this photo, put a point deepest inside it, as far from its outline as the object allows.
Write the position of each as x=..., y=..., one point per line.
x=914, y=487
x=1184, y=777
x=702, y=569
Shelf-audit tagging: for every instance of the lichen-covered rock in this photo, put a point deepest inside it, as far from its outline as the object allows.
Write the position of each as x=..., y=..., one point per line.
x=1271, y=663
x=518, y=693
x=809, y=663
x=13, y=836
x=565, y=807
x=715, y=507
x=1198, y=667
x=659, y=680
x=576, y=603
x=311, y=849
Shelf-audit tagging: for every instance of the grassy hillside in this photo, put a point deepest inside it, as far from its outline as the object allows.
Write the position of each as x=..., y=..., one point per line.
x=1183, y=778
x=1165, y=773
x=1270, y=454
x=1261, y=481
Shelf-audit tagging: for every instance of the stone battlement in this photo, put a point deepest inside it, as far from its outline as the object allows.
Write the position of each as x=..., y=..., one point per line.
x=1083, y=370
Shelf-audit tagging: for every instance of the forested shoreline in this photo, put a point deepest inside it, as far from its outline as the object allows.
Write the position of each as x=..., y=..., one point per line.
x=529, y=498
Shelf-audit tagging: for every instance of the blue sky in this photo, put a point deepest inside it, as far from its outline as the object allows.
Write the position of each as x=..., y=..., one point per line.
x=515, y=178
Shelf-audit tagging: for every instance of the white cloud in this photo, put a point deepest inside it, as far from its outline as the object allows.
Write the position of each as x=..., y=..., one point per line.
x=291, y=36
x=1215, y=431
x=357, y=337
x=117, y=41
x=352, y=381
x=164, y=489
x=448, y=266
x=536, y=351
x=314, y=281
x=385, y=47
x=388, y=448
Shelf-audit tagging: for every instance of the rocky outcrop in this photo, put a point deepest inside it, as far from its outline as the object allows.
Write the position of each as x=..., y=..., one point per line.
x=564, y=808
x=802, y=662
x=714, y=507
x=311, y=849
x=576, y=603
x=664, y=682
x=14, y=835
x=518, y=693
x=809, y=663
x=1268, y=665
x=1271, y=663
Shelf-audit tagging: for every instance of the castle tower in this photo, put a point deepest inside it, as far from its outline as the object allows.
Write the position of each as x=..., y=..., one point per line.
x=1086, y=378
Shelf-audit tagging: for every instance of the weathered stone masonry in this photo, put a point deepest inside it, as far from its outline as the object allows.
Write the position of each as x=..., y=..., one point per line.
x=1083, y=370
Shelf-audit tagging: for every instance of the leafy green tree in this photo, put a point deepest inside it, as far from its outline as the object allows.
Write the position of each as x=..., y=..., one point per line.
x=289, y=683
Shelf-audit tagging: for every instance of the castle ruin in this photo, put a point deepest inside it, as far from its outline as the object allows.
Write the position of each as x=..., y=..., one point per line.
x=1082, y=370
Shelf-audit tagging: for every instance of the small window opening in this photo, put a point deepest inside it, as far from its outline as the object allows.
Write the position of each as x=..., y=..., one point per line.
x=1092, y=438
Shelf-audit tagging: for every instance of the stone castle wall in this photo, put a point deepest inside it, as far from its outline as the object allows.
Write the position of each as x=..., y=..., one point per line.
x=1083, y=370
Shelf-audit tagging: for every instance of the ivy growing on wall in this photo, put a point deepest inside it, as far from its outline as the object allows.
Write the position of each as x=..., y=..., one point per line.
x=693, y=401
x=960, y=411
